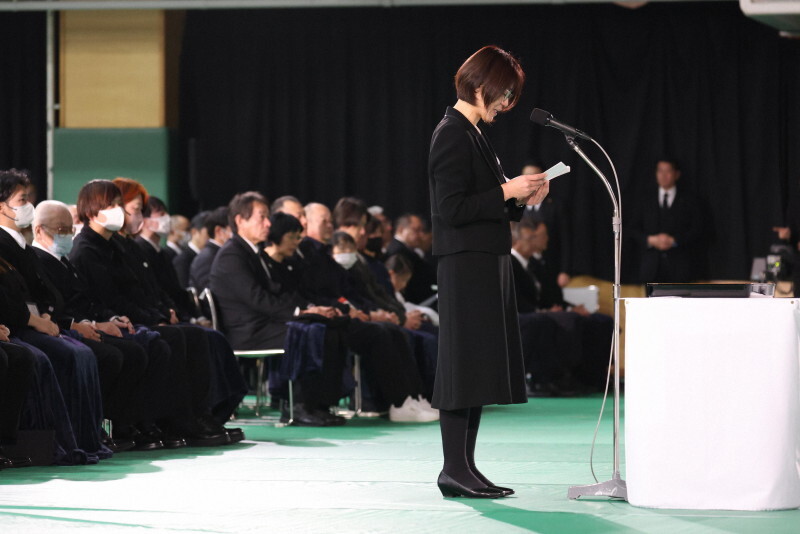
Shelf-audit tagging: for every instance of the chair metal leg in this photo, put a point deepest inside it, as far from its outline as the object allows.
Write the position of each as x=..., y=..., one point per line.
x=357, y=376
x=259, y=385
x=291, y=403
x=108, y=427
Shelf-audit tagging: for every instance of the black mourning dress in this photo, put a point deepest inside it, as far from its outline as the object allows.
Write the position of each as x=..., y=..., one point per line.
x=480, y=352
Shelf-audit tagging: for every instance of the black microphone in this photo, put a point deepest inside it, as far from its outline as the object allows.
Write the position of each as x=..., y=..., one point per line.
x=545, y=118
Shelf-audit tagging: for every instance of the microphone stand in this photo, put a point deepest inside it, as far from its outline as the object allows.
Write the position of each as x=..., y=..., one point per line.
x=616, y=487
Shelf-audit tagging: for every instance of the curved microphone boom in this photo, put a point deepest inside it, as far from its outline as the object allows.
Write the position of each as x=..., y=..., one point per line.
x=545, y=118
x=615, y=487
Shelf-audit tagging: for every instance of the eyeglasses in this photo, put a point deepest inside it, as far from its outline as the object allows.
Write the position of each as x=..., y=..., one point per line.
x=62, y=230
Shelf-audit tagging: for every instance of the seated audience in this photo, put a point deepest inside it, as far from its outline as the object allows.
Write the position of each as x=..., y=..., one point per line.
x=75, y=364
x=255, y=308
x=385, y=351
x=218, y=232
x=400, y=272
x=198, y=237
x=226, y=387
x=17, y=368
x=141, y=393
x=585, y=338
x=552, y=213
x=178, y=236
x=407, y=239
x=104, y=259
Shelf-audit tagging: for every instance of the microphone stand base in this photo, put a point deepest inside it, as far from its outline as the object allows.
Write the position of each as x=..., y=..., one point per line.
x=616, y=488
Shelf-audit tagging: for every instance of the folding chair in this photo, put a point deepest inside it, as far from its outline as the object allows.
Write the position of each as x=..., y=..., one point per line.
x=259, y=355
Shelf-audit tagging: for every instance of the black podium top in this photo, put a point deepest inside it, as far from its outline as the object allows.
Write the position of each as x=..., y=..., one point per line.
x=731, y=290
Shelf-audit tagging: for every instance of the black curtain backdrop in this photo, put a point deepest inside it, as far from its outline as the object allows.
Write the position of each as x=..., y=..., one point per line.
x=330, y=102
x=22, y=95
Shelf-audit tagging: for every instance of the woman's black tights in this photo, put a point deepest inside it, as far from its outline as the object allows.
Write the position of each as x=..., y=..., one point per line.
x=459, y=435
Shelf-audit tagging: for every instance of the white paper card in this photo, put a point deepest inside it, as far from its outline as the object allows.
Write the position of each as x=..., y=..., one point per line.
x=557, y=170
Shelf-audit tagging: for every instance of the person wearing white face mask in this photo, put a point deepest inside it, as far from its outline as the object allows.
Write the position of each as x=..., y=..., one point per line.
x=48, y=329
x=178, y=237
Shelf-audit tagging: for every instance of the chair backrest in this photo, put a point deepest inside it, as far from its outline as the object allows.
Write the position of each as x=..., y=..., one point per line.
x=208, y=297
x=194, y=297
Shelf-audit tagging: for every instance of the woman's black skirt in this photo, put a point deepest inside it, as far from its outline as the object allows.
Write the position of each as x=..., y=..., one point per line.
x=480, y=352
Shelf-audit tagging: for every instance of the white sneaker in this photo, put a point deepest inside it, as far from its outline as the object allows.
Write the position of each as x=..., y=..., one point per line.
x=411, y=412
x=426, y=405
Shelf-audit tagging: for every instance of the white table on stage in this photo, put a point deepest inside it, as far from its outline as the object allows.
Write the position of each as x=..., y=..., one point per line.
x=712, y=403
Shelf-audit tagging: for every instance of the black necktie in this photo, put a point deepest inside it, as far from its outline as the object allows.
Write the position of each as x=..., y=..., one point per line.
x=665, y=202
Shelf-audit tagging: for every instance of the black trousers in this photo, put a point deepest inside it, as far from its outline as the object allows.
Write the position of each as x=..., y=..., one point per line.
x=322, y=389
x=387, y=355
x=189, y=369
x=121, y=365
x=16, y=377
x=539, y=334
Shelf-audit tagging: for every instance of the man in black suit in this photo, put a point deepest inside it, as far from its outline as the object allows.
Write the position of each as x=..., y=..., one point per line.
x=552, y=213
x=546, y=342
x=406, y=241
x=217, y=231
x=588, y=334
x=255, y=309
x=198, y=237
x=666, y=228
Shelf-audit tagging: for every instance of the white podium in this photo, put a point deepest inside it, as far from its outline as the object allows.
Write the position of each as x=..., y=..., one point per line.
x=712, y=403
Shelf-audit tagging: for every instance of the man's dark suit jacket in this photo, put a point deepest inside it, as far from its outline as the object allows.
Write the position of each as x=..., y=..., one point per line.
x=681, y=221
x=200, y=270
x=254, y=309
x=559, y=246
x=467, y=207
x=423, y=277
x=78, y=300
x=524, y=287
x=550, y=293
x=166, y=279
x=170, y=254
x=183, y=263
x=14, y=314
x=36, y=287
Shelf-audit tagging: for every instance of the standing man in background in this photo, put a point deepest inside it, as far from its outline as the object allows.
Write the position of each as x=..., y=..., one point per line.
x=666, y=226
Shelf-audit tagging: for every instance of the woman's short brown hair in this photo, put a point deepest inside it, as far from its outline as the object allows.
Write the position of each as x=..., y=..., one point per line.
x=130, y=189
x=492, y=70
x=95, y=196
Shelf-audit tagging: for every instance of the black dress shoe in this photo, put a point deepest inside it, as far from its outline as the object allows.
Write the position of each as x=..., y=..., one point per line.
x=119, y=444
x=142, y=441
x=302, y=417
x=171, y=440
x=13, y=461
x=451, y=488
x=201, y=434
x=329, y=418
x=235, y=434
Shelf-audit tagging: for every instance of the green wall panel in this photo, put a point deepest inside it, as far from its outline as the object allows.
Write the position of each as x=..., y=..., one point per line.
x=83, y=154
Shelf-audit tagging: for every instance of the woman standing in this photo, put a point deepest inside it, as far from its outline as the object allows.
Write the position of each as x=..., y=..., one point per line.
x=472, y=204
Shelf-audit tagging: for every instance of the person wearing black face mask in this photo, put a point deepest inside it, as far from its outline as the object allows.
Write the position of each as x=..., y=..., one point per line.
x=374, y=244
